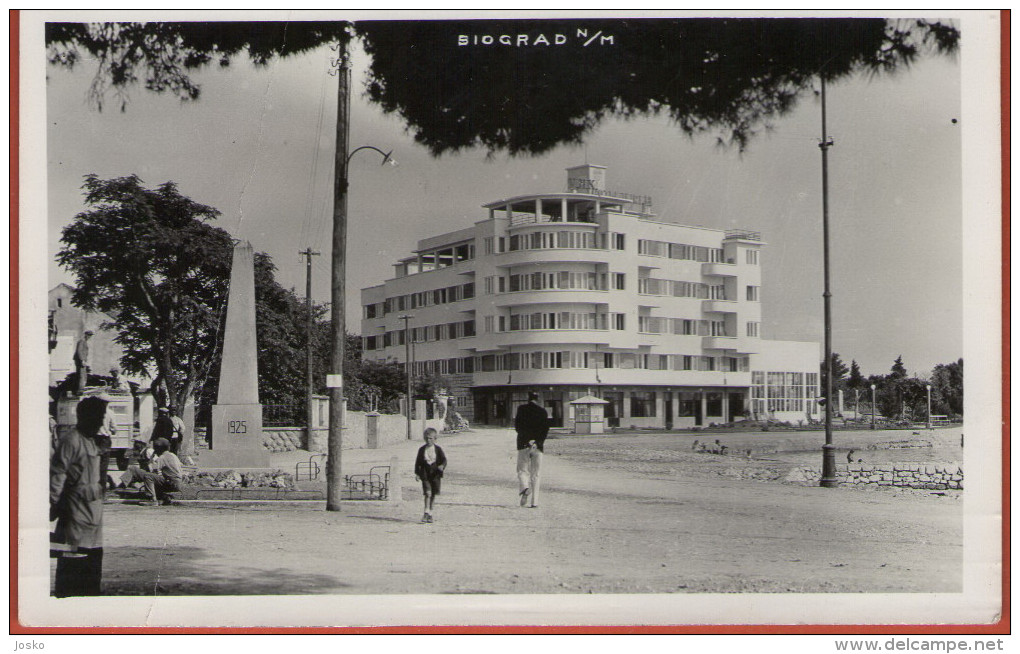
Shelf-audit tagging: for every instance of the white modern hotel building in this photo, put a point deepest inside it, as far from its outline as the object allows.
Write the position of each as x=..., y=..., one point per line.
x=587, y=292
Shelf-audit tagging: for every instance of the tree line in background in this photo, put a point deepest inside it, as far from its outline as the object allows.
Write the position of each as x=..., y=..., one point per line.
x=150, y=261
x=897, y=395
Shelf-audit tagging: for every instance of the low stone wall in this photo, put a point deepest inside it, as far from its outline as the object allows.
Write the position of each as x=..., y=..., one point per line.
x=928, y=476
x=932, y=476
x=283, y=439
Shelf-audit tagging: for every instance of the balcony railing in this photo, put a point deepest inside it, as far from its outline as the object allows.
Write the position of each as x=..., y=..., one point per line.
x=521, y=219
x=744, y=234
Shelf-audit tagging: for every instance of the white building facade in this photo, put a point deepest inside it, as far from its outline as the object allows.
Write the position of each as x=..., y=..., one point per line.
x=587, y=292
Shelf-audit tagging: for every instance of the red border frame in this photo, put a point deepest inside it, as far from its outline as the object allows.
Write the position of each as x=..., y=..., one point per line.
x=1000, y=627
x=14, y=303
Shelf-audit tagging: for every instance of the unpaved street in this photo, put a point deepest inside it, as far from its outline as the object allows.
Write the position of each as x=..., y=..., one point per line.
x=644, y=523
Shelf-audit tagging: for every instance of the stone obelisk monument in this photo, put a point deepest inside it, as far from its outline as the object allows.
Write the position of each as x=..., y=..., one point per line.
x=237, y=415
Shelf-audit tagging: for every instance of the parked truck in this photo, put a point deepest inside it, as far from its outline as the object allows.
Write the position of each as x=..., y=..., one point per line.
x=122, y=408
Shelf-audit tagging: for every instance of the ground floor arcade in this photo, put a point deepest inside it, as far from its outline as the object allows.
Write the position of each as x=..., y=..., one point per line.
x=629, y=406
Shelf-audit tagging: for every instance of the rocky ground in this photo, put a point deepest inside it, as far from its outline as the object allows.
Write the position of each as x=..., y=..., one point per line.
x=640, y=513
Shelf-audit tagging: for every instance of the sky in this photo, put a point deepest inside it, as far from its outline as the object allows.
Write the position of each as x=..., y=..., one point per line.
x=258, y=146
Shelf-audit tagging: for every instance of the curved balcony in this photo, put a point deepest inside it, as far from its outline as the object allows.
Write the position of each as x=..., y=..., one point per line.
x=550, y=255
x=522, y=337
x=719, y=306
x=551, y=296
x=719, y=269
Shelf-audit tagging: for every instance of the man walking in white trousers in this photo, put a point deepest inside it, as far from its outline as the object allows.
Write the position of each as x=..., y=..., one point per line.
x=532, y=425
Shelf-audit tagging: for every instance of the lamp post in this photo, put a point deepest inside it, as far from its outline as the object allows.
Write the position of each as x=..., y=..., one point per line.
x=928, y=388
x=873, y=406
x=407, y=370
x=829, y=479
x=342, y=159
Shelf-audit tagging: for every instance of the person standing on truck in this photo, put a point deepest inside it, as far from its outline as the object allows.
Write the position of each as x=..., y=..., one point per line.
x=81, y=360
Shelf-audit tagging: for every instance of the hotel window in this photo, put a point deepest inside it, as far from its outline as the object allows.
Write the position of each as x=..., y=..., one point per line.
x=752, y=328
x=718, y=328
x=752, y=293
x=369, y=311
x=751, y=257
x=717, y=292
x=619, y=321
x=490, y=283
x=502, y=323
x=489, y=323
x=607, y=359
x=370, y=342
x=488, y=244
x=502, y=284
x=618, y=281
x=642, y=404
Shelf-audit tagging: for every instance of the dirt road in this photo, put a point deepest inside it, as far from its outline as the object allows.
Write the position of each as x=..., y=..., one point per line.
x=644, y=522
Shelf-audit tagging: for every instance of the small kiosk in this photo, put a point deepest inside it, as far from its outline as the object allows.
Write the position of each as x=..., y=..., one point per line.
x=589, y=415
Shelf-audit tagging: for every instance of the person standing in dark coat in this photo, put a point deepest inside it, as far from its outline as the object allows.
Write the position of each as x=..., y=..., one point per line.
x=168, y=428
x=532, y=425
x=76, y=503
x=428, y=468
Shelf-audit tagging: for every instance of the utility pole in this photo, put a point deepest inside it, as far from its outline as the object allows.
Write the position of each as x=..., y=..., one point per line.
x=338, y=280
x=828, y=449
x=342, y=159
x=407, y=370
x=308, y=253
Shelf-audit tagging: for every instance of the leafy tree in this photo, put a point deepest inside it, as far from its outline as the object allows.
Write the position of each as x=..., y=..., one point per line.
x=426, y=387
x=729, y=76
x=947, y=389
x=149, y=259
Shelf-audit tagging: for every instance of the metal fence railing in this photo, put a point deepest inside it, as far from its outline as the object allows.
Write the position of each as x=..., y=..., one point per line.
x=283, y=415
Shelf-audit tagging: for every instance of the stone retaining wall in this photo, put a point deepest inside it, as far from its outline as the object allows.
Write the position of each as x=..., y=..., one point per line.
x=932, y=476
x=928, y=476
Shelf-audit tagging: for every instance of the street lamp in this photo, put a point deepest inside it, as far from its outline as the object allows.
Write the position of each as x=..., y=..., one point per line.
x=872, y=406
x=407, y=370
x=829, y=479
x=341, y=159
x=928, y=388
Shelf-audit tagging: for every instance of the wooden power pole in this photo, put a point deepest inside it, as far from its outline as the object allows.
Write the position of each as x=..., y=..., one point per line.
x=308, y=253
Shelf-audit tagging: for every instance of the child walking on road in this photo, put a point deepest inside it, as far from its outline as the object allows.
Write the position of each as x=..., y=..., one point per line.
x=429, y=467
